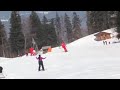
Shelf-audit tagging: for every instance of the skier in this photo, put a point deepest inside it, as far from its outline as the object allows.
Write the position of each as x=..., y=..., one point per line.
x=64, y=46
x=40, y=52
x=34, y=52
x=1, y=73
x=104, y=42
x=31, y=50
x=40, y=62
x=26, y=54
x=1, y=68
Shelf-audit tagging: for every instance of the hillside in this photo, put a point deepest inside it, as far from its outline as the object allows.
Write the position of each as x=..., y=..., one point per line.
x=85, y=59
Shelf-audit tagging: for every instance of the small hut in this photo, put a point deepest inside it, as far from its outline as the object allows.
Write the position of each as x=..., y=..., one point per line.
x=102, y=36
x=45, y=49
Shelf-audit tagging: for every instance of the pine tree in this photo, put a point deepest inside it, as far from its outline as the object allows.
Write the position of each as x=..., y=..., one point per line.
x=58, y=29
x=51, y=34
x=45, y=28
x=76, y=27
x=89, y=22
x=34, y=22
x=36, y=29
x=118, y=21
x=1, y=32
x=100, y=20
x=16, y=36
x=27, y=34
x=97, y=21
x=63, y=31
x=45, y=21
x=112, y=16
x=68, y=26
x=3, y=41
x=106, y=20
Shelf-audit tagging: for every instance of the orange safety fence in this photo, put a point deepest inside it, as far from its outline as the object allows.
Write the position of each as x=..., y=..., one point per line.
x=49, y=49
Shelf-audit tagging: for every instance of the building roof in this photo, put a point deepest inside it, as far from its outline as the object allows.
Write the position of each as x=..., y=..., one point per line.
x=101, y=33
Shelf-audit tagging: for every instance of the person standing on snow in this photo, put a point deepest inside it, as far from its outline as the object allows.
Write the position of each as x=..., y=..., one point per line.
x=40, y=62
x=1, y=68
x=34, y=52
x=104, y=42
x=40, y=52
x=64, y=46
x=31, y=50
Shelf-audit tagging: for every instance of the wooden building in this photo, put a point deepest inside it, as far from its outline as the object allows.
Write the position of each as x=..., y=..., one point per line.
x=102, y=36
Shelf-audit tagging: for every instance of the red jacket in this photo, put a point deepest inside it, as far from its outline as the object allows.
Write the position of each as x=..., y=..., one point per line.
x=31, y=50
x=63, y=45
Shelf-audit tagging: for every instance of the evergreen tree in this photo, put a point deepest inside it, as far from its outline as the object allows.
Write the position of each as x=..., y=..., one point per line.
x=58, y=29
x=27, y=34
x=1, y=32
x=45, y=20
x=100, y=20
x=68, y=26
x=34, y=22
x=76, y=27
x=63, y=31
x=118, y=22
x=96, y=21
x=49, y=34
x=112, y=16
x=89, y=22
x=53, y=37
x=3, y=41
x=45, y=28
x=36, y=29
x=16, y=36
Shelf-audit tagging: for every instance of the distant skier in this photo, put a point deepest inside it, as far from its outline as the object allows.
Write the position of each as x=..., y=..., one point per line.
x=34, y=52
x=31, y=50
x=1, y=73
x=104, y=42
x=26, y=54
x=1, y=68
x=40, y=62
x=40, y=52
x=64, y=46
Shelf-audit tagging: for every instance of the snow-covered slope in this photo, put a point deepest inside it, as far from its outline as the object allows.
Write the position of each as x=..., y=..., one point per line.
x=85, y=58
